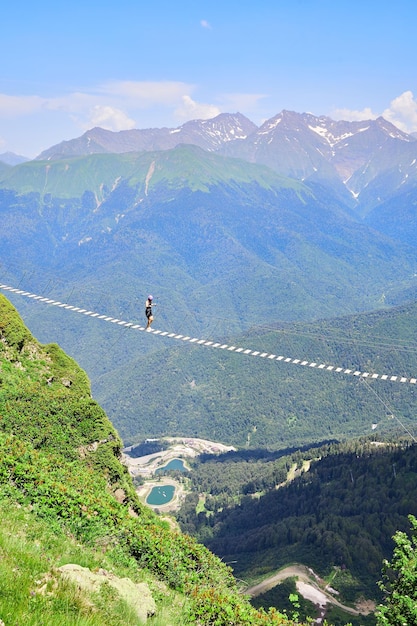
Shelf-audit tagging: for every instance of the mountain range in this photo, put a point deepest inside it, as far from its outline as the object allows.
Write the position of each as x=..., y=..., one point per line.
x=226, y=245
x=365, y=162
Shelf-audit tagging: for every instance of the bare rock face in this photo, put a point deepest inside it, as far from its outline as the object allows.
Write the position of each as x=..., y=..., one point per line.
x=137, y=595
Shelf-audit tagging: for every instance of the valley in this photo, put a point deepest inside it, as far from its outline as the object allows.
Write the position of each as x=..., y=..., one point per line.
x=273, y=237
x=308, y=583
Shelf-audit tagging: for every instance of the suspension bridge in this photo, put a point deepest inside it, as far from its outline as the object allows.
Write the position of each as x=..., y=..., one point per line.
x=364, y=375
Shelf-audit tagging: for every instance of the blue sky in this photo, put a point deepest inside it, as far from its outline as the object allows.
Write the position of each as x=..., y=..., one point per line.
x=69, y=66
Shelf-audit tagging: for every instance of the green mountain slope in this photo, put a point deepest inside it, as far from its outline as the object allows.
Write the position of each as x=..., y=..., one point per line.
x=60, y=465
x=337, y=517
x=189, y=224
x=224, y=246
x=396, y=217
x=183, y=389
x=101, y=174
x=153, y=386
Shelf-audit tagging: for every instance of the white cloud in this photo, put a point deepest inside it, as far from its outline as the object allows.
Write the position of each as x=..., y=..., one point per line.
x=71, y=103
x=205, y=24
x=354, y=116
x=87, y=110
x=109, y=118
x=402, y=112
x=190, y=110
x=118, y=105
x=121, y=96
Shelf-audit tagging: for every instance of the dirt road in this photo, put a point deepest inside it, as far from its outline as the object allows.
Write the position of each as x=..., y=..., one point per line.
x=310, y=586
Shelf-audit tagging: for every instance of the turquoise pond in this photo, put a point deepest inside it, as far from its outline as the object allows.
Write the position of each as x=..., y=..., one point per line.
x=175, y=464
x=161, y=495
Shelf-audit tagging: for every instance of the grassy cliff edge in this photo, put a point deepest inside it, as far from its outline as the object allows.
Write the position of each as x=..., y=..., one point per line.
x=65, y=497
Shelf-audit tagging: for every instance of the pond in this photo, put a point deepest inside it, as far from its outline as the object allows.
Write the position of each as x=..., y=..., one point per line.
x=161, y=495
x=175, y=464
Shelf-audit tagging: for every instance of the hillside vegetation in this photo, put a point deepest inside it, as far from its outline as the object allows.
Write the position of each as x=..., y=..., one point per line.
x=101, y=174
x=233, y=252
x=66, y=498
x=337, y=515
x=197, y=391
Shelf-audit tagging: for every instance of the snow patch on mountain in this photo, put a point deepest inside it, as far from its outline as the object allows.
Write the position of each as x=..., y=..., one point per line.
x=333, y=139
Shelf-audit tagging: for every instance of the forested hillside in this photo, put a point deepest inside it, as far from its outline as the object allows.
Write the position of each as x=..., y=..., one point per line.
x=74, y=501
x=184, y=388
x=232, y=252
x=192, y=390
x=338, y=515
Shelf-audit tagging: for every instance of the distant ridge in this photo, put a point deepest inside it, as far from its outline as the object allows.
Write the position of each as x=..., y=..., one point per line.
x=362, y=163
x=207, y=134
x=10, y=158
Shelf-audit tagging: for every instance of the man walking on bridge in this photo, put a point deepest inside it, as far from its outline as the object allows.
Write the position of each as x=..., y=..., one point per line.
x=148, y=311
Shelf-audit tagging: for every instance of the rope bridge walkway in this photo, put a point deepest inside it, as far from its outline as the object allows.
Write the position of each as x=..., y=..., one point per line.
x=212, y=344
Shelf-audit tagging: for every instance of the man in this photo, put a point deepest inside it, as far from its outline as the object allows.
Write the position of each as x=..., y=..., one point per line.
x=148, y=311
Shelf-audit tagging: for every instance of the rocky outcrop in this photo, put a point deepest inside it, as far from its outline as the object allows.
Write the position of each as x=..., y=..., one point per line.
x=137, y=595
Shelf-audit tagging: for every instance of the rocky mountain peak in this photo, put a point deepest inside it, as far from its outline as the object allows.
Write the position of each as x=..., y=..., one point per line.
x=213, y=133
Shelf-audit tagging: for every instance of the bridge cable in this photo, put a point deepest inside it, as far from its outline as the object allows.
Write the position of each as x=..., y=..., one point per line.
x=388, y=408
x=212, y=344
